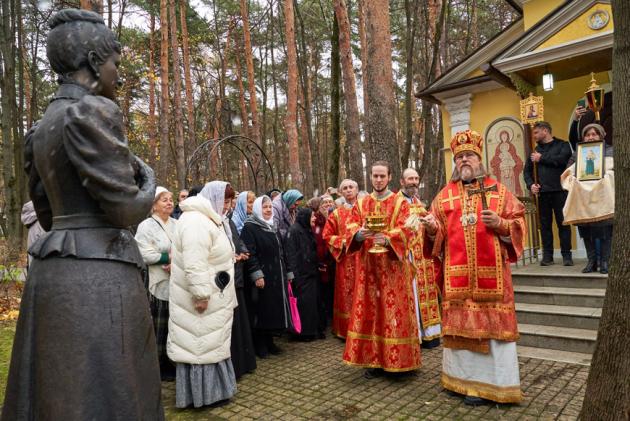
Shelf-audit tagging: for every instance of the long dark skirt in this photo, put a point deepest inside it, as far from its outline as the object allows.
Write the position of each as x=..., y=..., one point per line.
x=160, y=314
x=308, y=291
x=242, y=347
x=84, y=346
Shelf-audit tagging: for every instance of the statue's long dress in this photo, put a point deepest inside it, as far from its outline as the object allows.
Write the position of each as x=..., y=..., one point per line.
x=84, y=347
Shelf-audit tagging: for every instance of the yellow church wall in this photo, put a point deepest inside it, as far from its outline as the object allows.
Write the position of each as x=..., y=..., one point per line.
x=490, y=105
x=536, y=10
x=579, y=28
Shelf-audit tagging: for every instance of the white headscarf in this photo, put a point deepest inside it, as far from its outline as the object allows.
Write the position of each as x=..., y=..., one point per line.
x=257, y=210
x=214, y=192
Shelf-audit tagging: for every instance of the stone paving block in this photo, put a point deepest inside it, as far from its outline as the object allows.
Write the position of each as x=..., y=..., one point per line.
x=309, y=381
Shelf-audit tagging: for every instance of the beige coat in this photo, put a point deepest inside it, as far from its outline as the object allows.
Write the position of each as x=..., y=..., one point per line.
x=589, y=201
x=201, y=249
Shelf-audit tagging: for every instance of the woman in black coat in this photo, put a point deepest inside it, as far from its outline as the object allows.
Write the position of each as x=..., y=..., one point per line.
x=265, y=278
x=242, y=346
x=302, y=261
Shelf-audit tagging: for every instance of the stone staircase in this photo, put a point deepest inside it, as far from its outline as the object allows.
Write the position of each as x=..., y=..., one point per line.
x=558, y=310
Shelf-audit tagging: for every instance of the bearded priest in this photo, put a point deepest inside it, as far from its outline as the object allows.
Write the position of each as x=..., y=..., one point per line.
x=382, y=330
x=477, y=225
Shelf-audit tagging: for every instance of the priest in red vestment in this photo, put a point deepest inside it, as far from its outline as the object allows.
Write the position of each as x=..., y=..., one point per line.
x=427, y=271
x=335, y=236
x=382, y=330
x=477, y=225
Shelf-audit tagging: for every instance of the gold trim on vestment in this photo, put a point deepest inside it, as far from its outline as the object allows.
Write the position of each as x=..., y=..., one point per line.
x=589, y=220
x=481, y=346
x=391, y=370
x=501, y=394
x=389, y=341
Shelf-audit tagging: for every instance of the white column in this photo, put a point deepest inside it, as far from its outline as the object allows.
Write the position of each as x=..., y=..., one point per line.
x=458, y=108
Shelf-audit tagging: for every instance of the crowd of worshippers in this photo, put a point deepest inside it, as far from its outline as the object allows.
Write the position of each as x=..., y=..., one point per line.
x=266, y=244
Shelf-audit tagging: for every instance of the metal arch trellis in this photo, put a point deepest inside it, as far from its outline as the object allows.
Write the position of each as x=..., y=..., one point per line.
x=198, y=168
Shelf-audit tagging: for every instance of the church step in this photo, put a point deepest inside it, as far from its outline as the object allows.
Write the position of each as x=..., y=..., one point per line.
x=560, y=316
x=554, y=355
x=541, y=279
x=580, y=297
x=560, y=338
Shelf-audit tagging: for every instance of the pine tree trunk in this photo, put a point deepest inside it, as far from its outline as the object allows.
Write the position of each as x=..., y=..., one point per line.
x=8, y=121
x=153, y=141
x=251, y=82
x=190, y=107
x=381, y=107
x=353, y=132
x=165, y=108
x=607, y=394
x=277, y=144
x=218, y=110
x=93, y=5
x=290, y=121
x=241, y=95
x=410, y=13
x=365, y=148
x=335, y=102
x=180, y=151
x=312, y=165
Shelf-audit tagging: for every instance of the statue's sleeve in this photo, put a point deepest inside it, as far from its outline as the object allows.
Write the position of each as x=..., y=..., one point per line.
x=35, y=185
x=332, y=235
x=513, y=227
x=94, y=140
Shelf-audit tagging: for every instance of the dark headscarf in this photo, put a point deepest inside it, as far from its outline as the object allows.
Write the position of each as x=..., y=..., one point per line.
x=304, y=218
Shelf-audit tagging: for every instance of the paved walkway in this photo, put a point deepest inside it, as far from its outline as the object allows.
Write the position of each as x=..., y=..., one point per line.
x=309, y=381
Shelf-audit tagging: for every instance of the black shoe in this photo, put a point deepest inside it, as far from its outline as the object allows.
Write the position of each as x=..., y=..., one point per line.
x=321, y=335
x=274, y=350
x=567, y=261
x=546, y=262
x=591, y=266
x=475, y=401
x=604, y=267
x=372, y=373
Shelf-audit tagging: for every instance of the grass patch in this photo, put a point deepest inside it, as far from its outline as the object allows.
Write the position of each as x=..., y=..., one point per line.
x=7, y=332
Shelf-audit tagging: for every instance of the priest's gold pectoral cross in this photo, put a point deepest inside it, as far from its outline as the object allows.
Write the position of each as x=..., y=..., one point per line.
x=482, y=190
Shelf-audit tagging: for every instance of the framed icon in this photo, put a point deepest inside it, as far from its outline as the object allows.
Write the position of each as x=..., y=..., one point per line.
x=505, y=154
x=589, y=163
x=532, y=109
x=598, y=20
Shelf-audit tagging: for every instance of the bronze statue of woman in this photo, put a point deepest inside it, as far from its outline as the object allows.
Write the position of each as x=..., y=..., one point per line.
x=84, y=346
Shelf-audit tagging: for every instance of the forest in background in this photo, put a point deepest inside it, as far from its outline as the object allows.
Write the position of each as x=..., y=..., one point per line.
x=322, y=87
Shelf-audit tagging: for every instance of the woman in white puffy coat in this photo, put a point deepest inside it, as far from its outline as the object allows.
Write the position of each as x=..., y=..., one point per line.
x=201, y=313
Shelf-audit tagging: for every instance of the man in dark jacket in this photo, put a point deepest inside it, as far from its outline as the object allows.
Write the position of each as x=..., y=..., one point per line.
x=552, y=156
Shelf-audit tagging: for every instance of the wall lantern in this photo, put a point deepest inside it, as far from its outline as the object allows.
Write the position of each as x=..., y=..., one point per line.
x=547, y=80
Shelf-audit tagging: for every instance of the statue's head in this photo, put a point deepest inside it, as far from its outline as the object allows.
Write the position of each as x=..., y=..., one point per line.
x=82, y=49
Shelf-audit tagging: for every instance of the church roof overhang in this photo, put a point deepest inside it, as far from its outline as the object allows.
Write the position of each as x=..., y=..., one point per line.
x=457, y=77
x=524, y=56
x=514, y=51
x=594, y=49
